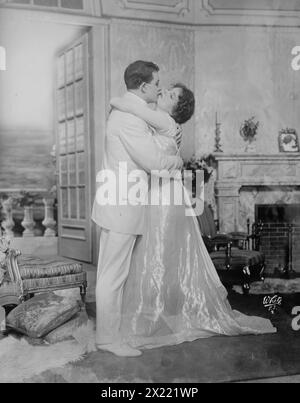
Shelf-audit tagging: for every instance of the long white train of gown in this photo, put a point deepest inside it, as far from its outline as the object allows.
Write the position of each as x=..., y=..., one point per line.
x=173, y=293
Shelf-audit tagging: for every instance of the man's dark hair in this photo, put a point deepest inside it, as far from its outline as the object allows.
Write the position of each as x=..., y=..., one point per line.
x=138, y=73
x=185, y=107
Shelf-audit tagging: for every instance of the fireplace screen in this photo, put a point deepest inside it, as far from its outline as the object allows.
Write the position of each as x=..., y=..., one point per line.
x=281, y=235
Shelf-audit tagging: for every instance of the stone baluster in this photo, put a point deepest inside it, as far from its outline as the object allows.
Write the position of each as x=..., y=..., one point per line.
x=28, y=222
x=49, y=223
x=8, y=224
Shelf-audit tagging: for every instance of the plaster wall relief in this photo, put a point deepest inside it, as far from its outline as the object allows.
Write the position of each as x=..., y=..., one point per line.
x=172, y=49
x=266, y=172
x=252, y=7
x=248, y=12
x=223, y=12
x=179, y=11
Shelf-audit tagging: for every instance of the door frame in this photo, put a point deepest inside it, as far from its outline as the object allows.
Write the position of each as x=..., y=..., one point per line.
x=99, y=82
x=100, y=90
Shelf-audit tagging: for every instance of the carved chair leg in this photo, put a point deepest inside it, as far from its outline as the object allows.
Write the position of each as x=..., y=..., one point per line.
x=83, y=292
x=228, y=256
x=262, y=273
x=246, y=280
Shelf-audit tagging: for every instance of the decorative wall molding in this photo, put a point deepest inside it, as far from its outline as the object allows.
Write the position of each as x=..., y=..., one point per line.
x=181, y=11
x=204, y=12
x=229, y=9
x=178, y=7
x=93, y=7
x=195, y=13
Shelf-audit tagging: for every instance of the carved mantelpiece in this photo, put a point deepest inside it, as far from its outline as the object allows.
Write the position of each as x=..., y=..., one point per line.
x=248, y=179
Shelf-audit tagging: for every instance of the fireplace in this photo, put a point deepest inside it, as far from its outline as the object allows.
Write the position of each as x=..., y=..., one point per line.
x=280, y=241
x=265, y=187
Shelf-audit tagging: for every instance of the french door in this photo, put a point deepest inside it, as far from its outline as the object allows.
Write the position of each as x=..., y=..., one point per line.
x=73, y=151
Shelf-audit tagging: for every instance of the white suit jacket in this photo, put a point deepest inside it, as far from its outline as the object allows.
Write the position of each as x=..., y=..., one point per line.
x=129, y=140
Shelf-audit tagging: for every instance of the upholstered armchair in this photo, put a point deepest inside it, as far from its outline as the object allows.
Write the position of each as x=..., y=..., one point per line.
x=236, y=255
x=22, y=277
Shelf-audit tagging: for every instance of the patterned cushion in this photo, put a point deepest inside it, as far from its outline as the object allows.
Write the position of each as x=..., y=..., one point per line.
x=42, y=314
x=54, y=282
x=66, y=331
x=36, y=268
x=239, y=258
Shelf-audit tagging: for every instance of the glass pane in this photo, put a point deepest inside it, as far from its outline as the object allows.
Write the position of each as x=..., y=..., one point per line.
x=70, y=66
x=46, y=3
x=79, y=97
x=70, y=101
x=62, y=138
x=82, y=210
x=64, y=202
x=61, y=71
x=72, y=169
x=78, y=52
x=81, y=168
x=19, y=1
x=73, y=200
x=71, y=136
x=61, y=105
x=80, y=134
x=74, y=4
x=63, y=171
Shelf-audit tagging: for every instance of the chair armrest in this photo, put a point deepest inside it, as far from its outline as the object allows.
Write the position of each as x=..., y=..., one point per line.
x=221, y=239
x=12, y=265
x=217, y=242
x=11, y=260
x=239, y=236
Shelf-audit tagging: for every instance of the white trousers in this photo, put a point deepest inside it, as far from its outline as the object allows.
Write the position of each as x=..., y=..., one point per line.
x=113, y=269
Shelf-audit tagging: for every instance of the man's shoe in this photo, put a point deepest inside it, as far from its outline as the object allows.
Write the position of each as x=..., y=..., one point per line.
x=121, y=350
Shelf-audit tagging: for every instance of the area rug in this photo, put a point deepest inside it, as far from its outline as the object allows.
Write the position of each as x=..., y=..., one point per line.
x=272, y=286
x=214, y=360
x=21, y=360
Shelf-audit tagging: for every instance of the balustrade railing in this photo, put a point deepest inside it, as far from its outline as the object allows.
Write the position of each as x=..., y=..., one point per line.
x=37, y=218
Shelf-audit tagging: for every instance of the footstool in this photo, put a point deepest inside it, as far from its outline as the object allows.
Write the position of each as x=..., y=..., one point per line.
x=26, y=276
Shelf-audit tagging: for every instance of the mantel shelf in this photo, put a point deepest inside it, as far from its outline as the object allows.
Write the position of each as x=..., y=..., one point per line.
x=257, y=157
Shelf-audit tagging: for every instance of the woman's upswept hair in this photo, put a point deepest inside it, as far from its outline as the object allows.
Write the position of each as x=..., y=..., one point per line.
x=185, y=108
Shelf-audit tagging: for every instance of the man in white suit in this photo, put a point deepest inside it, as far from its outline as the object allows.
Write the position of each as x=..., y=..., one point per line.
x=129, y=144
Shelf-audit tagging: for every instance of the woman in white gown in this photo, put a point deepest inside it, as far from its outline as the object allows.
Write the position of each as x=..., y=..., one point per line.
x=173, y=293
